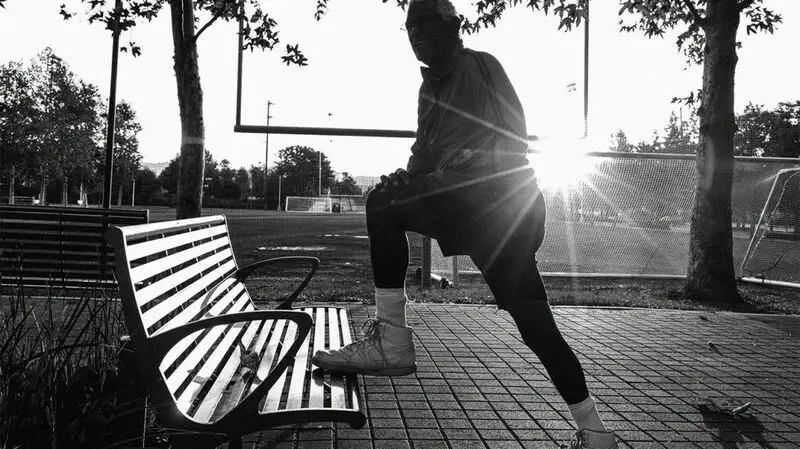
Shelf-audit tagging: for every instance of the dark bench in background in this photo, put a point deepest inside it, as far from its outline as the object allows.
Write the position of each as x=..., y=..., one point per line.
x=59, y=249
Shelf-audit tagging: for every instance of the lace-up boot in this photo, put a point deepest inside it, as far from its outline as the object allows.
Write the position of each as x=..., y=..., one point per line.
x=384, y=350
x=593, y=439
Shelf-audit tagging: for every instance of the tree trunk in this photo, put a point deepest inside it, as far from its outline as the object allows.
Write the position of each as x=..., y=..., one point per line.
x=12, y=181
x=43, y=190
x=64, y=191
x=711, y=276
x=190, y=103
x=121, y=188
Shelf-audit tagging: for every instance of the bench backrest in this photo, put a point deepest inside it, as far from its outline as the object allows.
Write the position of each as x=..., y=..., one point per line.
x=176, y=272
x=54, y=246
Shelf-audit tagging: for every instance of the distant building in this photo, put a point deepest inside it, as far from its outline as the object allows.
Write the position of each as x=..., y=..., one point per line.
x=366, y=182
x=156, y=167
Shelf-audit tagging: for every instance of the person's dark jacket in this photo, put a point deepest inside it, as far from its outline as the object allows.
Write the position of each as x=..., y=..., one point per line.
x=470, y=121
x=469, y=160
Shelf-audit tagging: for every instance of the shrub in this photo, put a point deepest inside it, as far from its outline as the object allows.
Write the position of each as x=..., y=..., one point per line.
x=60, y=382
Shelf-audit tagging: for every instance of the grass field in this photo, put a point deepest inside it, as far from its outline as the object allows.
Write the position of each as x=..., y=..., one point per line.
x=339, y=241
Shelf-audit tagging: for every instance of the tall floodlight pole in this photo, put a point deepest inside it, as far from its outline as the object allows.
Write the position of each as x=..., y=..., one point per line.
x=112, y=108
x=280, y=178
x=266, y=156
x=586, y=73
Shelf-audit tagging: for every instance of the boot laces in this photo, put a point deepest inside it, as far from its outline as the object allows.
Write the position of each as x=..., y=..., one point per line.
x=369, y=329
x=369, y=332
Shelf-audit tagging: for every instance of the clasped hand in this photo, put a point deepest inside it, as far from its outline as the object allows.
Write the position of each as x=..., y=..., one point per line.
x=394, y=181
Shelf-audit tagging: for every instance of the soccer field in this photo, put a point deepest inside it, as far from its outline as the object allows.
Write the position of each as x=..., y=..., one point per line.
x=339, y=240
x=592, y=248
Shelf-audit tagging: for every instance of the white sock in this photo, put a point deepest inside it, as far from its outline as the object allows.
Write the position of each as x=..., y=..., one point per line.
x=391, y=305
x=585, y=415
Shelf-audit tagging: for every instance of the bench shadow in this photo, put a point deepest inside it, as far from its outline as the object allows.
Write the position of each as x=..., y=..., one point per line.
x=732, y=430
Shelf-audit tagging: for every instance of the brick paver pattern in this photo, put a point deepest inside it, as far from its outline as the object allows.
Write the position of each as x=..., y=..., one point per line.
x=660, y=378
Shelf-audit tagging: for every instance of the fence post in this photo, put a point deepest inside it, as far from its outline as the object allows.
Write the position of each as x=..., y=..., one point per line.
x=426, y=262
x=455, y=271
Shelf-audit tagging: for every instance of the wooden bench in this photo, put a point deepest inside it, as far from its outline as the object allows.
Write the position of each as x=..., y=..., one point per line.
x=212, y=361
x=52, y=247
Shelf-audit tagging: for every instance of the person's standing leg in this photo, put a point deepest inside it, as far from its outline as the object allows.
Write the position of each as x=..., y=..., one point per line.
x=387, y=347
x=518, y=287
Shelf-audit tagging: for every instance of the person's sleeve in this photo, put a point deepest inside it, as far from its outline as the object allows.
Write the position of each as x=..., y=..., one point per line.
x=420, y=162
x=512, y=116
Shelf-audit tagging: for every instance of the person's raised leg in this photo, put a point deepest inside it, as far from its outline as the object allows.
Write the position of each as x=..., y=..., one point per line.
x=387, y=347
x=518, y=287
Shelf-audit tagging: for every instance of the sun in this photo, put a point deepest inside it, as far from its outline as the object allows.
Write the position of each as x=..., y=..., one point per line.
x=562, y=163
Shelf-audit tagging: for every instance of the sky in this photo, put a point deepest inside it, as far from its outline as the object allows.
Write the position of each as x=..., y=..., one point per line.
x=362, y=74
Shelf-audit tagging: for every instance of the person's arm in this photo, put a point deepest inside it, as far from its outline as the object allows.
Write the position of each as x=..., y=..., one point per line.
x=512, y=116
x=421, y=161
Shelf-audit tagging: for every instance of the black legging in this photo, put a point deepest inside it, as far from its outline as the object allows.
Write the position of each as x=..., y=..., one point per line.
x=513, y=279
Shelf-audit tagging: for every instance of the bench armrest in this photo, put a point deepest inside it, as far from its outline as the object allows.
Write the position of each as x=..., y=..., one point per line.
x=163, y=342
x=243, y=272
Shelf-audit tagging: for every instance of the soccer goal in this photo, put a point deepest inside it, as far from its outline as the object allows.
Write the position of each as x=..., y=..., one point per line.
x=773, y=255
x=326, y=204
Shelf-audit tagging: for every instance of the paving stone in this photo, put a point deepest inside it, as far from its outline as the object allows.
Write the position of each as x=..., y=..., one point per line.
x=651, y=371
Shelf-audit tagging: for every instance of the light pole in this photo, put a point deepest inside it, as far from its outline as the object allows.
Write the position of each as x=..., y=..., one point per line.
x=280, y=180
x=266, y=156
x=586, y=73
x=319, y=184
x=112, y=108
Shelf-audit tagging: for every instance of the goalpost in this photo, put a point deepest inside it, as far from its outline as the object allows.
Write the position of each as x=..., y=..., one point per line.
x=632, y=223
x=326, y=204
x=773, y=255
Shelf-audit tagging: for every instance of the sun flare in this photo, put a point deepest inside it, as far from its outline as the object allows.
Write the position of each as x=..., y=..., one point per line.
x=562, y=163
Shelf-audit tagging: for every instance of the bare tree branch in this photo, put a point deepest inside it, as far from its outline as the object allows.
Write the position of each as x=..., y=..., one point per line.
x=745, y=4
x=697, y=17
x=217, y=15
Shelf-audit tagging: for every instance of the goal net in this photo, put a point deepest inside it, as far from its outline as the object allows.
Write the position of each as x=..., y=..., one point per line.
x=316, y=204
x=630, y=216
x=774, y=250
x=326, y=204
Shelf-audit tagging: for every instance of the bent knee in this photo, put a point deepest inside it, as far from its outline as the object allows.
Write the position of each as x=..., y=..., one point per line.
x=376, y=200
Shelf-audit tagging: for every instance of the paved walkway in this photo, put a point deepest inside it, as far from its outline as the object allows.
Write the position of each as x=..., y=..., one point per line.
x=660, y=377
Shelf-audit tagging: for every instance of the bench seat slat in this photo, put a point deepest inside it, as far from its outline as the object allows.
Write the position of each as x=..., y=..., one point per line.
x=25, y=239
x=43, y=246
x=26, y=227
x=273, y=346
x=238, y=388
x=79, y=268
x=337, y=382
x=90, y=255
x=218, y=297
x=215, y=310
x=146, y=271
x=71, y=213
x=227, y=375
x=158, y=288
x=199, y=352
x=298, y=376
x=208, y=366
x=167, y=306
x=316, y=391
x=172, y=304
x=148, y=248
x=350, y=381
x=273, y=400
